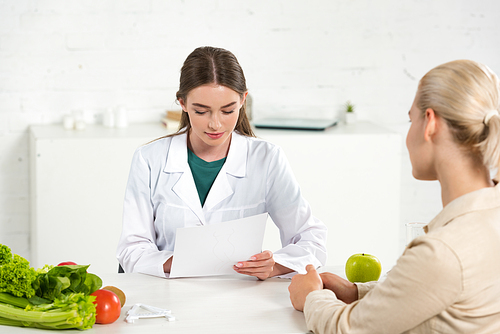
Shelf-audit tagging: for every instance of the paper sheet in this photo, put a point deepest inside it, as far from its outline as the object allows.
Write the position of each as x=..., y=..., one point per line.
x=214, y=249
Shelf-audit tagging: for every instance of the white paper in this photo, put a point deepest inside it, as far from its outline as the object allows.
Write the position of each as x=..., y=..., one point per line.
x=214, y=249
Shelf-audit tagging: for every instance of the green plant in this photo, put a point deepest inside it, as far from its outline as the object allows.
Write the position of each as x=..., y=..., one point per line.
x=349, y=107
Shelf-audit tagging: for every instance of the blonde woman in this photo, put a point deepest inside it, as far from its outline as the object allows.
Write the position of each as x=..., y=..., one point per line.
x=447, y=281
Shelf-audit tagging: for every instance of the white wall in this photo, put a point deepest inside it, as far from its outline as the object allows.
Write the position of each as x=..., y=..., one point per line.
x=298, y=56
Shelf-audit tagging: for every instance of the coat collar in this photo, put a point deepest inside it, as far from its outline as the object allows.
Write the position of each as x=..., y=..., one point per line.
x=482, y=199
x=235, y=166
x=236, y=162
x=185, y=188
x=177, y=160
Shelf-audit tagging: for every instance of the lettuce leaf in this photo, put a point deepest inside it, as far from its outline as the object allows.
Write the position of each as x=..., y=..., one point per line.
x=16, y=275
x=66, y=279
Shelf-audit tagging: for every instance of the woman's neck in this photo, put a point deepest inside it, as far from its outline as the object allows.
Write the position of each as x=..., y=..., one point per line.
x=207, y=152
x=461, y=176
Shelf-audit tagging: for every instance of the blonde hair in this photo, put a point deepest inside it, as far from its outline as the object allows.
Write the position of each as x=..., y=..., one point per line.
x=463, y=93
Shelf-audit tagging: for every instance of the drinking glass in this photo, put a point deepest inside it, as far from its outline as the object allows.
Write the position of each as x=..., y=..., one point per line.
x=414, y=230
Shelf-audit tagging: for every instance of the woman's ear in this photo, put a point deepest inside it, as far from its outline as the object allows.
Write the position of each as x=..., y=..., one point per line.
x=183, y=106
x=430, y=125
x=244, y=97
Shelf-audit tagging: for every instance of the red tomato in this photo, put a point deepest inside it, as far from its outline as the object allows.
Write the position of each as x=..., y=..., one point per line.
x=68, y=263
x=108, y=306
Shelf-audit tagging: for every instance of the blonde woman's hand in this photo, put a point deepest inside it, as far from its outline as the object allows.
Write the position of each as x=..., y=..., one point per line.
x=302, y=285
x=343, y=289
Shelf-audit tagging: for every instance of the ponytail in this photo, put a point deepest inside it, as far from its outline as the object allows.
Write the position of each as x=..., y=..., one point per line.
x=490, y=146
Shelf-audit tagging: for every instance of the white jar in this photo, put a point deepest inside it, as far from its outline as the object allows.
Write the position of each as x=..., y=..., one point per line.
x=108, y=118
x=68, y=122
x=121, y=119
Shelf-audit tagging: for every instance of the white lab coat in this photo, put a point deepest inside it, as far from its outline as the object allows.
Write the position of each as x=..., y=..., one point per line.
x=256, y=178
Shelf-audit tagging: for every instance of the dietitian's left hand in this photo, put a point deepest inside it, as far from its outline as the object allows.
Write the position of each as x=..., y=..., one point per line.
x=302, y=285
x=260, y=265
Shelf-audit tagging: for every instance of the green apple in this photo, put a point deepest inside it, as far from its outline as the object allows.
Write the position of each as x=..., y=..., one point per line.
x=362, y=268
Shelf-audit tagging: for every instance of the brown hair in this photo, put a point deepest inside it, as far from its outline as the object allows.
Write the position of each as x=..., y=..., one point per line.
x=209, y=65
x=463, y=93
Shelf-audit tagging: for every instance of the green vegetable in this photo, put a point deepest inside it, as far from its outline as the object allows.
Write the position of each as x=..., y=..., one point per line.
x=5, y=254
x=50, y=297
x=16, y=275
x=65, y=279
x=74, y=310
x=13, y=300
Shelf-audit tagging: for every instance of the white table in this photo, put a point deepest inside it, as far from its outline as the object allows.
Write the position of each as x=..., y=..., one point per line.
x=222, y=304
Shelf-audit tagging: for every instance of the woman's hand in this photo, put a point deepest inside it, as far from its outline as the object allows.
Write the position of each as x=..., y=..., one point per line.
x=302, y=285
x=343, y=289
x=262, y=266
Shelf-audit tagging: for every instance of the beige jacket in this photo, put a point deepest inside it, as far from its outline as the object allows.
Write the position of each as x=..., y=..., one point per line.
x=447, y=281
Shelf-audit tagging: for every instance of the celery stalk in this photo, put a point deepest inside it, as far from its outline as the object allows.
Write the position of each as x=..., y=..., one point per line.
x=13, y=300
x=50, y=325
x=72, y=311
x=10, y=322
x=16, y=313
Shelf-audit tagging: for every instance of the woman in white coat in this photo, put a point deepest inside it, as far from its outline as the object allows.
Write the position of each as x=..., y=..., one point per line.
x=214, y=170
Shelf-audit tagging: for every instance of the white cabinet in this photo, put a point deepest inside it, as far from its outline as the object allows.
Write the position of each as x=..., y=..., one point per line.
x=349, y=174
x=78, y=181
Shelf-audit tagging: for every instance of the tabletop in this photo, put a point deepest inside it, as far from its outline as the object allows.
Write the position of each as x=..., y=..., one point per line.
x=217, y=304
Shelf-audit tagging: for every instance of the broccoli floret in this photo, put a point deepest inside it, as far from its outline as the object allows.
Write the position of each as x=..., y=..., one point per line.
x=16, y=275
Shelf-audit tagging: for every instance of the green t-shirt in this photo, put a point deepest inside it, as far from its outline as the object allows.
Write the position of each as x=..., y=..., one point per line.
x=204, y=174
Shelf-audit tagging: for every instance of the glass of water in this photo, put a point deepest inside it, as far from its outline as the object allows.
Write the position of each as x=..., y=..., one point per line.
x=414, y=230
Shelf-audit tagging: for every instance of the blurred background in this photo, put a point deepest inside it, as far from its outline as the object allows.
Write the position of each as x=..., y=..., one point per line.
x=300, y=58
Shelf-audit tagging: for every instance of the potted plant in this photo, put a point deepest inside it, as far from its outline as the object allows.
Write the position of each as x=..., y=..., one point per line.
x=350, y=115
